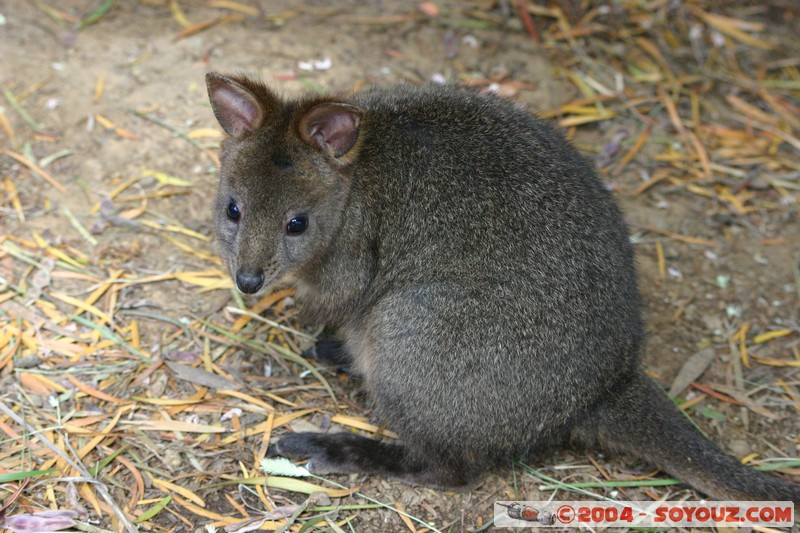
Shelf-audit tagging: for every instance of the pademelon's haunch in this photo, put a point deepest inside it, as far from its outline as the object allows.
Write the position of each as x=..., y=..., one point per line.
x=479, y=274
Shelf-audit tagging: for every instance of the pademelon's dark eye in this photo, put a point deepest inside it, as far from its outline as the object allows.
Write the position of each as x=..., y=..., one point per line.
x=297, y=224
x=233, y=211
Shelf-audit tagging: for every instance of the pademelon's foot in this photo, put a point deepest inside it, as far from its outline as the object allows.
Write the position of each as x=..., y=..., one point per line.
x=342, y=452
x=329, y=453
x=330, y=352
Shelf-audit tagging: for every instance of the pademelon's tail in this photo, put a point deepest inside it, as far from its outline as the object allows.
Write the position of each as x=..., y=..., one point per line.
x=640, y=420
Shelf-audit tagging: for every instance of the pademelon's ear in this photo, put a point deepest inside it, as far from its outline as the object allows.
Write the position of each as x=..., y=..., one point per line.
x=236, y=106
x=331, y=126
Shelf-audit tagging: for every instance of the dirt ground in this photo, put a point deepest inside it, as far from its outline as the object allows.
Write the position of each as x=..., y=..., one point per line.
x=116, y=114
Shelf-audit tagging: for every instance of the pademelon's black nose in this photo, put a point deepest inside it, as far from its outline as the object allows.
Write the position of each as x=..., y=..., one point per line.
x=249, y=281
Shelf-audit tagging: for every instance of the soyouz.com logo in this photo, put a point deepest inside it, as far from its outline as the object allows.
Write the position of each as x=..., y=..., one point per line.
x=643, y=514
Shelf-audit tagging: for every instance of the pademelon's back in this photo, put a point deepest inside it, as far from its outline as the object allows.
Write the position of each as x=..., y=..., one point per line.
x=482, y=189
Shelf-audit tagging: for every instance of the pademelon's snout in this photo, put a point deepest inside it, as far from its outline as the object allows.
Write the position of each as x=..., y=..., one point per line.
x=249, y=281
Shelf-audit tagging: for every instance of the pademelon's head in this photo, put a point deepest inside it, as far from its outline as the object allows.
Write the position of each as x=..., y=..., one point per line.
x=283, y=179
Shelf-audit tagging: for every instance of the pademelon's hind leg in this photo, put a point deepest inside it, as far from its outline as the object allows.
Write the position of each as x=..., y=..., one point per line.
x=346, y=452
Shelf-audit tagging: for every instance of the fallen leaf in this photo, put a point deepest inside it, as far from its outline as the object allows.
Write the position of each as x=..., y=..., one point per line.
x=692, y=369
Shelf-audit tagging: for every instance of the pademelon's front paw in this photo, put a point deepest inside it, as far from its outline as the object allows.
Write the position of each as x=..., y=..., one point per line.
x=330, y=352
